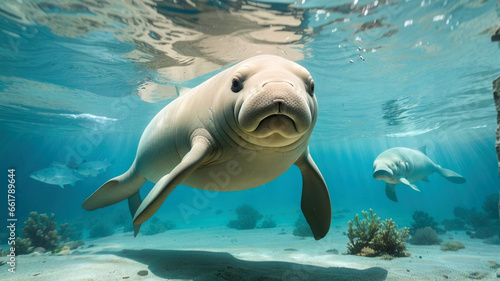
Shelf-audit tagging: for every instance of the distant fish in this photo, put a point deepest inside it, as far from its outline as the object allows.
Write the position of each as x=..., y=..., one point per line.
x=404, y=165
x=92, y=168
x=57, y=174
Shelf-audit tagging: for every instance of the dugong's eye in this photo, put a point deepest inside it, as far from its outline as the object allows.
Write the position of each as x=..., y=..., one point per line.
x=236, y=84
x=310, y=82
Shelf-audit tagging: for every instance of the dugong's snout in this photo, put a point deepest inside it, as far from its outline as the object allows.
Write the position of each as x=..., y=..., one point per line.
x=381, y=172
x=276, y=106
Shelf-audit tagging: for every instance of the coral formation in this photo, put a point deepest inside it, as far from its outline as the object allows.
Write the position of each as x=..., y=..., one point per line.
x=156, y=226
x=490, y=206
x=452, y=246
x=247, y=218
x=477, y=224
x=382, y=238
x=425, y=236
x=100, y=230
x=40, y=229
x=268, y=222
x=41, y=234
x=302, y=229
x=23, y=246
x=423, y=220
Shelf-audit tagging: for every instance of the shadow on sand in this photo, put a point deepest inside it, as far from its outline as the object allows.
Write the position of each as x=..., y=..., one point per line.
x=201, y=265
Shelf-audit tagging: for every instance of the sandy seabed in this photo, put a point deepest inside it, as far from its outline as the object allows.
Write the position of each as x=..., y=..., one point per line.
x=258, y=254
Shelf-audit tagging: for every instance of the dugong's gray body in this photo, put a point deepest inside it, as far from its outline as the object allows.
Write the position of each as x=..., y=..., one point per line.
x=240, y=129
x=404, y=165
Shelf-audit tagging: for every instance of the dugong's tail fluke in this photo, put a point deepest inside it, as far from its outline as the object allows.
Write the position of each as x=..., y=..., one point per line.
x=115, y=190
x=450, y=175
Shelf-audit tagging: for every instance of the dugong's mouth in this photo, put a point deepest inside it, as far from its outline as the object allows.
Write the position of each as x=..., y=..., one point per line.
x=382, y=172
x=276, y=123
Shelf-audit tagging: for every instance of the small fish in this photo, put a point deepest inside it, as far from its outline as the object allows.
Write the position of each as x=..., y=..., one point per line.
x=56, y=174
x=351, y=61
x=92, y=168
x=361, y=57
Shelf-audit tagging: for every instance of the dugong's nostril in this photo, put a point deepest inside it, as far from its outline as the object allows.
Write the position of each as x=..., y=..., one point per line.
x=279, y=102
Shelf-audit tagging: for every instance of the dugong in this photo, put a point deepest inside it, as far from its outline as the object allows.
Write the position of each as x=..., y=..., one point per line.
x=406, y=166
x=240, y=129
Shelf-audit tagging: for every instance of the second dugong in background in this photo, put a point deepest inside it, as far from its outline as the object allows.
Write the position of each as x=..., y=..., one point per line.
x=406, y=166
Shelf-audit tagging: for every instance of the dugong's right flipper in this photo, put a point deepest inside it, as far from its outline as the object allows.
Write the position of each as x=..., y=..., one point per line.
x=315, y=203
x=405, y=181
x=134, y=202
x=193, y=159
x=390, y=192
x=450, y=175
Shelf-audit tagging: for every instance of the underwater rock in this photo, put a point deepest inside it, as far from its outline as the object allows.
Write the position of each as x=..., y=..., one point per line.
x=40, y=250
x=247, y=218
x=383, y=238
x=74, y=244
x=477, y=275
x=64, y=251
x=496, y=97
x=386, y=257
x=142, y=272
x=333, y=251
x=425, y=236
x=367, y=252
x=452, y=246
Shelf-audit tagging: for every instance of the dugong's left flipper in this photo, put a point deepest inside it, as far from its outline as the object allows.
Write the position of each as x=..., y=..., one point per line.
x=450, y=175
x=390, y=192
x=193, y=159
x=315, y=204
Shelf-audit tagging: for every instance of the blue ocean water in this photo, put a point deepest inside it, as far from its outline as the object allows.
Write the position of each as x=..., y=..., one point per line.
x=80, y=81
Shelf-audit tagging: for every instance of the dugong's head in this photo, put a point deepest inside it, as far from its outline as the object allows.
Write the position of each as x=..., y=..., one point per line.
x=389, y=168
x=273, y=102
